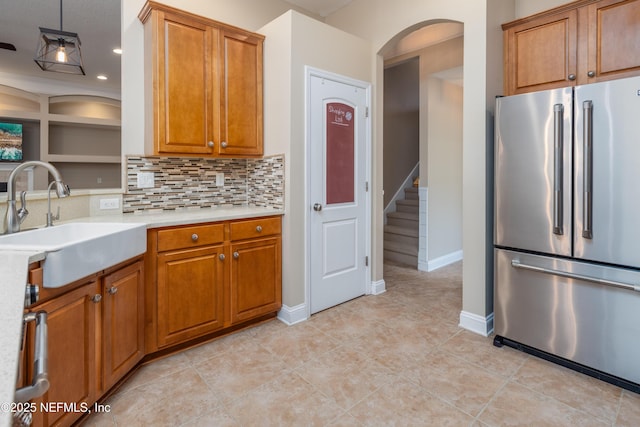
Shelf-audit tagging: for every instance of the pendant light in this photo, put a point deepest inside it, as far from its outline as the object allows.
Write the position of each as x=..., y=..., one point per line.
x=59, y=50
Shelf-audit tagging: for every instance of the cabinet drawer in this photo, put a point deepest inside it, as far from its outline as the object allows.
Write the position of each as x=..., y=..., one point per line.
x=255, y=228
x=188, y=237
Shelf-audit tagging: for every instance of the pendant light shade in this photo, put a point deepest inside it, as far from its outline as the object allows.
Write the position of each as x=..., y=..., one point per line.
x=59, y=50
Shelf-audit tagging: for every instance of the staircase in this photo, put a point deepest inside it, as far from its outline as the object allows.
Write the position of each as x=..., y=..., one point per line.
x=401, y=231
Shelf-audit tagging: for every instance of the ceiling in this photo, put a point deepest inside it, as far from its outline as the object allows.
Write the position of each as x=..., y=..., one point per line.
x=20, y=21
x=19, y=25
x=320, y=7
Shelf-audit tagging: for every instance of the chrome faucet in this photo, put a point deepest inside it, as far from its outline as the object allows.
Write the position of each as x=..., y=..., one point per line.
x=14, y=217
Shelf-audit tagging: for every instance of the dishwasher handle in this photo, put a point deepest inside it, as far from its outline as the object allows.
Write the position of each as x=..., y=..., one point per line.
x=40, y=383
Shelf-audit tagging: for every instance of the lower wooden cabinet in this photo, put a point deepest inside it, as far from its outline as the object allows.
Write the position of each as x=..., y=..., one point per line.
x=190, y=291
x=122, y=322
x=204, y=278
x=73, y=351
x=95, y=337
x=256, y=279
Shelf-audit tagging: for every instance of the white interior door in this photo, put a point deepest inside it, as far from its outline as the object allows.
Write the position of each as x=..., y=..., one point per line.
x=338, y=200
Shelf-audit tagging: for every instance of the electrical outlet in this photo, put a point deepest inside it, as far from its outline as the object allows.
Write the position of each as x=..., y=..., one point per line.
x=219, y=179
x=146, y=180
x=109, y=204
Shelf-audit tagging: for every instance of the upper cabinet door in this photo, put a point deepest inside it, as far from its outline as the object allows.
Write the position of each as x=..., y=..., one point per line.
x=581, y=42
x=241, y=112
x=204, y=85
x=613, y=38
x=541, y=54
x=184, y=74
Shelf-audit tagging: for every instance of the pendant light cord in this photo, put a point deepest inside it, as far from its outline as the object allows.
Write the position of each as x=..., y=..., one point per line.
x=60, y=15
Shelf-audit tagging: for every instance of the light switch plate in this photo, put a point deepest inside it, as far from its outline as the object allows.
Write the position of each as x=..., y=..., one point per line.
x=146, y=180
x=219, y=179
x=109, y=204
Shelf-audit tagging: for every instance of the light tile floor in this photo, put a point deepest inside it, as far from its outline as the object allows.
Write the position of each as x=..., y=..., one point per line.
x=392, y=359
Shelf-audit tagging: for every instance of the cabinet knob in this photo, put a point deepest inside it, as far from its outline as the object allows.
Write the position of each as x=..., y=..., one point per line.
x=259, y=229
x=194, y=237
x=112, y=290
x=572, y=77
x=222, y=257
x=591, y=73
x=236, y=255
x=96, y=298
x=224, y=144
x=210, y=144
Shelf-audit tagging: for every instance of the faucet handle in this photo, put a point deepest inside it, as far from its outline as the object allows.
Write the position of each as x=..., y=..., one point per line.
x=23, y=212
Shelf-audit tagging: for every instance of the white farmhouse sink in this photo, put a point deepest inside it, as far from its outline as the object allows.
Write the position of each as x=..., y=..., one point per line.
x=76, y=250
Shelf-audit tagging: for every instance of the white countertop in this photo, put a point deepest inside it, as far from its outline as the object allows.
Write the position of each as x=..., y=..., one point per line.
x=185, y=216
x=14, y=268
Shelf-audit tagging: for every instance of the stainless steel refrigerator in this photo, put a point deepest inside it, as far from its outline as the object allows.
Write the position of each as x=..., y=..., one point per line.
x=567, y=227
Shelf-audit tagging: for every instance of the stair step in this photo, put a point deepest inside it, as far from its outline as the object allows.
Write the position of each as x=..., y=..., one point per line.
x=410, y=232
x=401, y=258
x=400, y=238
x=407, y=207
x=401, y=248
x=403, y=215
x=409, y=202
x=403, y=222
x=411, y=193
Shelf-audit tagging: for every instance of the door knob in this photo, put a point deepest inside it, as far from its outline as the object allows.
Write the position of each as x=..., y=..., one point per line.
x=224, y=144
x=591, y=74
x=317, y=207
x=572, y=77
x=210, y=144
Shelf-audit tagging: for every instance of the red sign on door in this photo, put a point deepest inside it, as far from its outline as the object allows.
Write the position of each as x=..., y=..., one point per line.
x=340, y=170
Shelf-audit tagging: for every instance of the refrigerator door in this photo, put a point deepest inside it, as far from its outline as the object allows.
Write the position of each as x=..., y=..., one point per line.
x=607, y=179
x=533, y=172
x=579, y=311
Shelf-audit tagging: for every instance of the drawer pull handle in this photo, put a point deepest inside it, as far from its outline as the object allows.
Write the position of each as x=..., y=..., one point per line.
x=112, y=290
x=222, y=257
x=194, y=237
x=236, y=255
x=259, y=229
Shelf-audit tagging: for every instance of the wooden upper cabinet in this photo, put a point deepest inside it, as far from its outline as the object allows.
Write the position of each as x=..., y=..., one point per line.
x=613, y=37
x=578, y=43
x=204, y=85
x=541, y=54
x=241, y=109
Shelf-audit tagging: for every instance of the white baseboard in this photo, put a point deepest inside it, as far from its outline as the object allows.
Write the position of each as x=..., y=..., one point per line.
x=439, y=262
x=475, y=323
x=293, y=315
x=378, y=287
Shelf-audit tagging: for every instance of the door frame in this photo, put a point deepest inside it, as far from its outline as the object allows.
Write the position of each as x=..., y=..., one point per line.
x=316, y=72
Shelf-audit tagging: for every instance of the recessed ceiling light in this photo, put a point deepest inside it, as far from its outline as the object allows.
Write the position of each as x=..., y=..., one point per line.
x=102, y=77
x=118, y=51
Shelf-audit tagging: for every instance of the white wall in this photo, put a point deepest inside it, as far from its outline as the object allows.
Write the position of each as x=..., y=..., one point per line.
x=382, y=22
x=444, y=210
x=528, y=7
x=293, y=41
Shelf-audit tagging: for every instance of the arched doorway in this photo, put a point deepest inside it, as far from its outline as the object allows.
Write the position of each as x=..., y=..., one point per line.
x=423, y=98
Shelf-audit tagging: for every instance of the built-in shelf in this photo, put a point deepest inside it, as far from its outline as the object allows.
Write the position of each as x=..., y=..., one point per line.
x=76, y=132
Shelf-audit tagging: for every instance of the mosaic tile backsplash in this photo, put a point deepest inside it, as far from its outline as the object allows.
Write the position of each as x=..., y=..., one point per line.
x=182, y=183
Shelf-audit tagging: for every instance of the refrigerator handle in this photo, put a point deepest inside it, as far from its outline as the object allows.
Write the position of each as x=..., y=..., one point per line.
x=602, y=281
x=558, y=146
x=587, y=183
